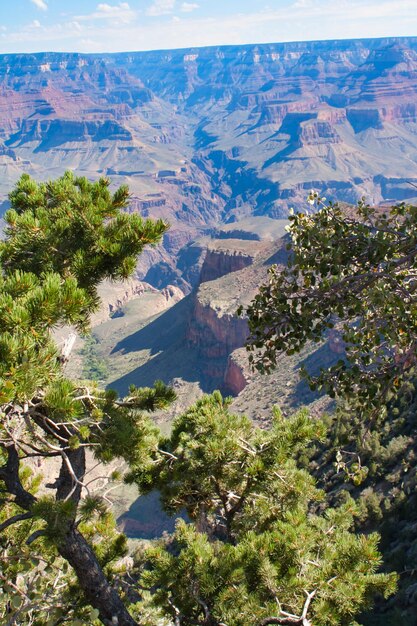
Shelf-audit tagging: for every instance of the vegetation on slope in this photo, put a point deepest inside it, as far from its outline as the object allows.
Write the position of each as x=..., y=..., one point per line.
x=253, y=552
x=356, y=274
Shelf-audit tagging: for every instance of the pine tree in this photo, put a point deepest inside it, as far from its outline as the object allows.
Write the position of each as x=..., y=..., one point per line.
x=61, y=239
x=352, y=271
x=254, y=552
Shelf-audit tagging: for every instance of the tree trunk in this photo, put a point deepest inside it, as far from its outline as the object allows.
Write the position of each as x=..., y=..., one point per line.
x=73, y=548
x=80, y=555
x=98, y=591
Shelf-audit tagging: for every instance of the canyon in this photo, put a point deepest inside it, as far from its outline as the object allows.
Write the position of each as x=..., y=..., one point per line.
x=214, y=135
x=196, y=342
x=220, y=142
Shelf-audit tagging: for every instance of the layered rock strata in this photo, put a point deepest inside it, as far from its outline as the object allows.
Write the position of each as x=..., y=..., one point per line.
x=213, y=135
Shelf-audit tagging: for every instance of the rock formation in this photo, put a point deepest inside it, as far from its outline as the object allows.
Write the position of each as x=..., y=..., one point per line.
x=214, y=135
x=235, y=377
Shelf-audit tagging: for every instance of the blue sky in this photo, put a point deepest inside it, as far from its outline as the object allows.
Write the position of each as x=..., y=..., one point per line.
x=94, y=26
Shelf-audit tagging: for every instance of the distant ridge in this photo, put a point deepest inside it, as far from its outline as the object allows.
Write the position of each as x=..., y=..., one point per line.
x=407, y=40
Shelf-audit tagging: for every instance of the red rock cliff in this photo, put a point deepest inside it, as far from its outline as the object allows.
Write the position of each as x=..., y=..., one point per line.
x=219, y=263
x=235, y=379
x=214, y=334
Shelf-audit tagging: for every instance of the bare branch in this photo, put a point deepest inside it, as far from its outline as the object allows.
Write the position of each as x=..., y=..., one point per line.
x=14, y=520
x=34, y=536
x=67, y=347
x=9, y=473
x=288, y=619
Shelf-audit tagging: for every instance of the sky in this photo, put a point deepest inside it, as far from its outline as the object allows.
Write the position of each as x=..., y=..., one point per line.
x=91, y=26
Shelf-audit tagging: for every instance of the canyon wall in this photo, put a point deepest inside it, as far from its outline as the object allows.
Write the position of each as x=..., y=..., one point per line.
x=217, y=263
x=235, y=376
x=213, y=334
x=213, y=135
x=232, y=268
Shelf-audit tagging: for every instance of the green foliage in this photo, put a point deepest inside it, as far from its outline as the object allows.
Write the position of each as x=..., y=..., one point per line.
x=253, y=548
x=62, y=238
x=75, y=228
x=91, y=507
x=212, y=452
x=54, y=514
x=151, y=398
x=353, y=273
x=94, y=367
x=386, y=499
x=34, y=583
x=29, y=308
x=124, y=432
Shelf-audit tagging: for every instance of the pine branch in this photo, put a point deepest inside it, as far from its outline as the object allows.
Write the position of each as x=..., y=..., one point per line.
x=14, y=520
x=9, y=473
x=34, y=536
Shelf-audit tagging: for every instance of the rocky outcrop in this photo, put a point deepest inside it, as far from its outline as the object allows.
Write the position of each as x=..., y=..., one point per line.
x=218, y=263
x=214, y=332
x=114, y=295
x=176, y=239
x=145, y=206
x=237, y=234
x=53, y=133
x=318, y=132
x=231, y=274
x=190, y=262
x=215, y=335
x=172, y=294
x=235, y=377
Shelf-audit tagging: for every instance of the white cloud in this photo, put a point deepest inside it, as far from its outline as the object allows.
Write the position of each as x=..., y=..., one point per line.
x=161, y=7
x=36, y=24
x=119, y=13
x=110, y=10
x=317, y=19
x=187, y=7
x=89, y=45
x=303, y=4
x=349, y=9
x=41, y=4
